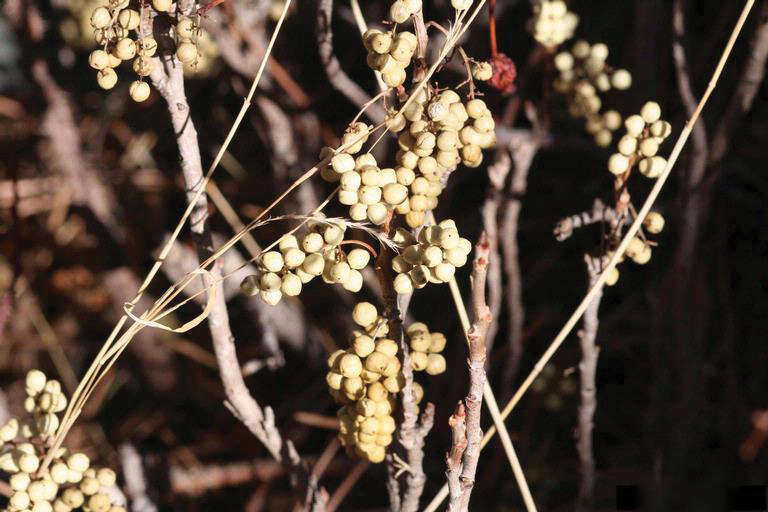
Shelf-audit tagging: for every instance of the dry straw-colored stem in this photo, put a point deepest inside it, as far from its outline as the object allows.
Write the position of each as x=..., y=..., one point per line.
x=631, y=232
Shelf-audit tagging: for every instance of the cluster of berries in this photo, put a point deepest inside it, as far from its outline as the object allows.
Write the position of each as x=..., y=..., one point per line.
x=435, y=136
x=552, y=23
x=369, y=191
x=70, y=482
x=425, y=349
x=583, y=74
x=299, y=260
x=112, y=26
x=390, y=53
x=364, y=379
x=645, y=132
x=432, y=258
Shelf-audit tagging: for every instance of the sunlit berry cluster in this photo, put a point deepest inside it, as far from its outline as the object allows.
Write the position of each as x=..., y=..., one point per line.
x=552, y=23
x=113, y=24
x=389, y=53
x=69, y=483
x=436, y=134
x=194, y=47
x=298, y=260
x=425, y=349
x=401, y=10
x=583, y=75
x=369, y=191
x=364, y=379
x=645, y=132
x=432, y=258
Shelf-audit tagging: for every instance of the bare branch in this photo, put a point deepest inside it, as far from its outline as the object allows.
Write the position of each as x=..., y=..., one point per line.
x=135, y=479
x=587, y=371
x=168, y=79
x=458, y=425
x=336, y=75
x=599, y=213
x=481, y=320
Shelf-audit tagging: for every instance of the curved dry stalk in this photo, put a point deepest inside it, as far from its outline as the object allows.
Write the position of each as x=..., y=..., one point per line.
x=620, y=250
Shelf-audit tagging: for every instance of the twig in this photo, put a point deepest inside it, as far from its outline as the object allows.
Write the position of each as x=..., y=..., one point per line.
x=497, y=176
x=336, y=75
x=413, y=429
x=135, y=479
x=587, y=371
x=631, y=232
x=524, y=150
x=482, y=317
x=453, y=458
x=599, y=213
x=168, y=79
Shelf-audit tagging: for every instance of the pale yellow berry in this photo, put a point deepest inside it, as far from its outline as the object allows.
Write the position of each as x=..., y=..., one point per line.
x=363, y=346
x=613, y=277
x=143, y=65
x=185, y=28
x=482, y=71
x=186, y=52
x=358, y=258
x=99, y=503
x=350, y=365
x=334, y=380
x=649, y=147
x=125, y=49
x=139, y=91
x=73, y=497
x=403, y=284
x=19, y=501
x=651, y=112
x=98, y=59
x=634, y=125
x=162, y=5
x=419, y=361
x=106, y=78
x=78, y=462
x=461, y=5
x=399, y=12
x=612, y=120
x=627, y=145
x=376, y=362
x=128, y=19
x=435, y=364
x=652, y=167
x=618, y=164
x=19, y=481
x=28, y=463
x=654, y=223
x=438, y=342
x=146, y=46
x=603, y=138
x=34, y=382
x=354, y=282
x=290, y=285
x=621, y=79
x=100, y=18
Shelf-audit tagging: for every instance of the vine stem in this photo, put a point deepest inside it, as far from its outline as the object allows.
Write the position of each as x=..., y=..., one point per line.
x=621, y=249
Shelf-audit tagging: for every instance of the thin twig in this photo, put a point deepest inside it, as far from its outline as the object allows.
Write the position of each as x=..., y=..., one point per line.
x=336, y=75
x=587, y=371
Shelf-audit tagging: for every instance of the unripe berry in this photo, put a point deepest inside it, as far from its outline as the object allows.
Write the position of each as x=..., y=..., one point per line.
x=621, y=79
x=19, y=501
x=34, y=382
x=482, y=71
x=290, y=285
x=438, y=342
x=186, y=52
x=364, y=314
x=78, y=462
